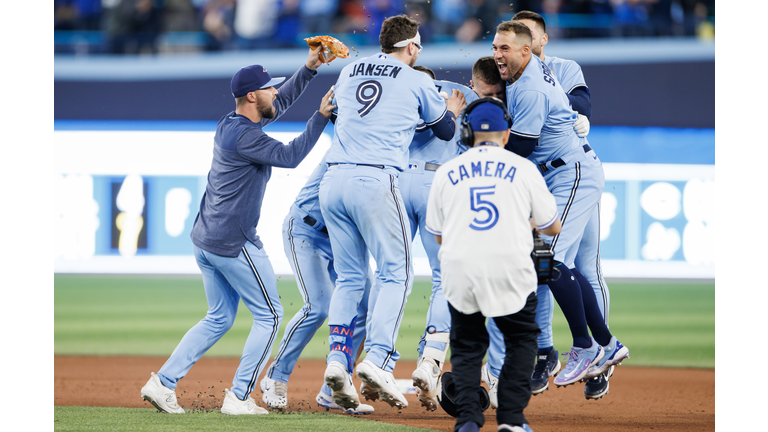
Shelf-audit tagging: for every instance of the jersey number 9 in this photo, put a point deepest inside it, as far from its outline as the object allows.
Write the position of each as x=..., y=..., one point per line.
x=368, y=94
x=478, y=204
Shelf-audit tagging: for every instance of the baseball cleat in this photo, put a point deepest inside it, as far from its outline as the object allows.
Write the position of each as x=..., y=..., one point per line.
x=234, y=406
x=615, y=353
x=547, y=365
x=340, y=382
x=426, y=379
x=383, y=382
x=510, y=428
x=163, y=398
x=597, y=387
x=493, y=385
x=579, y=362
x=274, y=393
x=326, y=401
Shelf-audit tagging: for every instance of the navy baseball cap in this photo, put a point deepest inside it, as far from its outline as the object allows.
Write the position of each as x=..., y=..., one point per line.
x=252, y=78
x=487, y=117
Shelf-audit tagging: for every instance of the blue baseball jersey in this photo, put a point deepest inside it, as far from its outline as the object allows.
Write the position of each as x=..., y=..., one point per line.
x=380, y=102
x=426, y=146
x=567, y=72
x=540, y=109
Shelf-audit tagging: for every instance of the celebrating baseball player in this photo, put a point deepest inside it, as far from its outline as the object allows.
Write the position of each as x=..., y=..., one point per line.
x=380, y=102
x=308, y=248
x=543, y=132
x=479, y=209
x=229, y=253
x=569, y=75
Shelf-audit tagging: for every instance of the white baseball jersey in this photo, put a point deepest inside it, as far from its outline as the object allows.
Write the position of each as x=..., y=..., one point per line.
x=480, y=203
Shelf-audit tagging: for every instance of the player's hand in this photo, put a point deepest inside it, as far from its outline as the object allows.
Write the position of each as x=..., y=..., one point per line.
x=326, y=107
x=313, y=59
x=581, y=126
x=456, y=102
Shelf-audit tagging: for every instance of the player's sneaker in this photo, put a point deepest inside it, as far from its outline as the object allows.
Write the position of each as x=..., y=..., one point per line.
x=163, y=398
x=426, y=379
x=493, y=385
x=234, y=406
x=383, y=382
x=326, y=401
x=547, y=365
x=615, y=353
x=510, y=428
x=274, y=393
x=597, y=387
x=579, y=362
x=340, y=381
x=369, y=392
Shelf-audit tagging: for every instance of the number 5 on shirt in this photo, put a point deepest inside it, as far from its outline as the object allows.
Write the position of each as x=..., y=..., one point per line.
x=478, y=204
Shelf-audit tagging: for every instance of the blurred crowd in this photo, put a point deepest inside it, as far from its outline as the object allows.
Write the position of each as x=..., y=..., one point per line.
x=152, y=26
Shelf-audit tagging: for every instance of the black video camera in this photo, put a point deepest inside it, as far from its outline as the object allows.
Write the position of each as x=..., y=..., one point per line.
x=543, y=259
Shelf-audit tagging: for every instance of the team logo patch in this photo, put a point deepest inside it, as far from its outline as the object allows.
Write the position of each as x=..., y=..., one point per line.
x=413, y=166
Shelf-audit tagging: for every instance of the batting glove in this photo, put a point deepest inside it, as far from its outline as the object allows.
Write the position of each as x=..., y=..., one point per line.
x=581, y=126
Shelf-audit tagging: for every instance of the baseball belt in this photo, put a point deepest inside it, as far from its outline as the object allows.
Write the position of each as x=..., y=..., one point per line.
x=368, y=165
x=309, y=220
x=431, y=166
x=557, y=163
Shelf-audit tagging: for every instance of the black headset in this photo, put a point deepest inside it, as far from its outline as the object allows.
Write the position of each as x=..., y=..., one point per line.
x=467, y=136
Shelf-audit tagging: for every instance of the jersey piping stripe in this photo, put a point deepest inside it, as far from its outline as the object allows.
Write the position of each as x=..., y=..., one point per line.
x=304, y=294
x=548, y=224
x=577, y=86
x=407, y=269
x=441, y=117
x=571, y=199
x=275, y=326
x=599, y=269
x=525, y=135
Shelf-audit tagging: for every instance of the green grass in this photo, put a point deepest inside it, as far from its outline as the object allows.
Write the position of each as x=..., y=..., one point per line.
x=663, y=323
x=144, y=419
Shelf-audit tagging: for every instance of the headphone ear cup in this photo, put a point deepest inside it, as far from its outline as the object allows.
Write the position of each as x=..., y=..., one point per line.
x=467, y=135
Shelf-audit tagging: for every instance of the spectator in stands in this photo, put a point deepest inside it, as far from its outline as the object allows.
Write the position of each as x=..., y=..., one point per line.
x=133, y=27
x=317, y=16
x=255, y=23
x=217, y=18
x=77, y=15
x=448, y=16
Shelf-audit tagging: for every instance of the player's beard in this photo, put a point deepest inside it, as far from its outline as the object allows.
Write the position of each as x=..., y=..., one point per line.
x=266, y=110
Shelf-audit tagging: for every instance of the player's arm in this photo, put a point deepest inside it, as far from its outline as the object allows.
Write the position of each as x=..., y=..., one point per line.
x=580, y=102
x=439, y=114
x=530, y=113
x=294, y=86
x=259, y=148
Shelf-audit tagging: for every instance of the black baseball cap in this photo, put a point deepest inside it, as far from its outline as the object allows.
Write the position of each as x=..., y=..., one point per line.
x=252, y=78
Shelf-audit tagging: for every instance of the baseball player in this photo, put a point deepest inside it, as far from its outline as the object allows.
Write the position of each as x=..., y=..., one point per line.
x=570, y=77
x=229, y=253
x=380, y=101
x=427, y=153
x=308, y=249
x=479, y=210
x=543, y=132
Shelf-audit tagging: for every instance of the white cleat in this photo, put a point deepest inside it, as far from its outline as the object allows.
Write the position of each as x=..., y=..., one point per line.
x=426, y=378
x=340, y=381
x=493, y=385
x=234, y=406
x=383, y=382
x=326, y=401
x=163, y=398
x=274, y=393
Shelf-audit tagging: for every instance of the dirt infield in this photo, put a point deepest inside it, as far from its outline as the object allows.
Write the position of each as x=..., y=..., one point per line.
x=639, y=399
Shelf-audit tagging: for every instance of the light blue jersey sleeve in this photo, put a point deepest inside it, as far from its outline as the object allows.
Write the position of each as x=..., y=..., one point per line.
x=426, y=147
x=380, y=101
x=540, y=109
x=567, y=72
